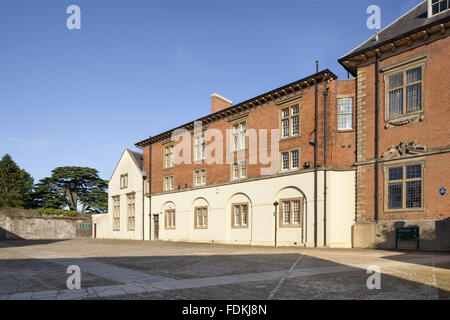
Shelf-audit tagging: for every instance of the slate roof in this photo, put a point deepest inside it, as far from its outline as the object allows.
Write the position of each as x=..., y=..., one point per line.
x=138, y=158
x=411, y=22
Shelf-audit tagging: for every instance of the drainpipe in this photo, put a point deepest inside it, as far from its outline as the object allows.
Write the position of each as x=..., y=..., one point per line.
x=143, y=208
x=316, y=114
x=149, y=175
x=303, y=221
x=325, y=95
x=377, y=80
x=251, y=225
x=315, y=156
x=355, y=103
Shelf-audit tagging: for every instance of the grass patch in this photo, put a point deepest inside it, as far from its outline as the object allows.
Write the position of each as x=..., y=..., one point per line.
x=51, y=211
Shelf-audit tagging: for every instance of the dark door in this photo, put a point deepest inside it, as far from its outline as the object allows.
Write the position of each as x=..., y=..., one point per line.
x=155, y=227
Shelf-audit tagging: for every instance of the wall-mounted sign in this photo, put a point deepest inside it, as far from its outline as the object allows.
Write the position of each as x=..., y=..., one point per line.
x=442, y=191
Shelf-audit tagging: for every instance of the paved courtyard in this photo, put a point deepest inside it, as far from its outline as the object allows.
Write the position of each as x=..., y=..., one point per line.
x=112, y=269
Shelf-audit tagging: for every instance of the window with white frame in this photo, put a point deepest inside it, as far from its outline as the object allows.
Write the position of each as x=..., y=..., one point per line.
x=239, y=215
x=437, y=6
x=295, y=159
x=235, y=170
x=290, y=212
x=239, y=136
x=201, y=217
x=131, y=212
x=404, y=91
x=290, y=121
x=168, y=157
x=290, y=160
x=168, y=183
x=239, y=170
x=285, y=160
x=124, y=181
x=116, y=213
x=345, y=114
x=200, y=147
x=199, y=177
x=169, y=218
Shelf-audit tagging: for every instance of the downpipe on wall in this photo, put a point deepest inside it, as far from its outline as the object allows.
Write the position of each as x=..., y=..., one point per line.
x=325, y=95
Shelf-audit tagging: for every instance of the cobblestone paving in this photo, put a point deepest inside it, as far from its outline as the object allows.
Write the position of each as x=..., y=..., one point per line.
x=167, y=270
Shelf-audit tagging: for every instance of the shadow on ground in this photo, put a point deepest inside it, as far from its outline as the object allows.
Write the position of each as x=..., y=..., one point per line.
x=26, y=243
x=312, y=278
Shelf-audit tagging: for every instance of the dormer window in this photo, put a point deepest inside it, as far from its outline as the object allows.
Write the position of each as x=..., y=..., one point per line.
x=437, y=6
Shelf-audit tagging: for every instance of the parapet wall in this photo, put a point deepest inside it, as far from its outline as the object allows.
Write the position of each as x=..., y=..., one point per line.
x=18, y=223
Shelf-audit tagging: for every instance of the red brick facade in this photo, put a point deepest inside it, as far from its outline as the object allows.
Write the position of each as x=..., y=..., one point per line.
x=341, y=145
x=355, y=147
x=431, y=130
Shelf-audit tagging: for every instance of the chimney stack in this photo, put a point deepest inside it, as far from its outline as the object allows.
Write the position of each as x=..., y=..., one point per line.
x=219, y=103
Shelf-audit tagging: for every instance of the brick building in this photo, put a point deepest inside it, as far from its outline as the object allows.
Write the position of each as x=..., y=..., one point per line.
x=233, y=201
x=402, y=128
x=341, y=163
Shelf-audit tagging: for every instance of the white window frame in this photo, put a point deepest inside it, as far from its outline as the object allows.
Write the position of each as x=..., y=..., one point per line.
x=342, y=114
x=199, y=147
x=287, y=116
x=201, y=217
x=170, y=219
x=285, y=157
x=290, y=160
x=241, y=168
x=168, y=157
x=200, y=177
x=168, y=183
x=239, y=136
x=290, y=222
x=430, y=8
x=238, y=221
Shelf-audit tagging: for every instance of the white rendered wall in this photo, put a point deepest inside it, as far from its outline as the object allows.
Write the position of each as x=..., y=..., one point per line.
x=341, y=216
x=105, y=230
x=260, y=195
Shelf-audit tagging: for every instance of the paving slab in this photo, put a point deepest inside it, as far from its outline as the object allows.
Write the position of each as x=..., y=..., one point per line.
x=116, y=269
x=132, y=288
x=72, y=294
x=110, y=292
x=20, y=296
x=44, y=295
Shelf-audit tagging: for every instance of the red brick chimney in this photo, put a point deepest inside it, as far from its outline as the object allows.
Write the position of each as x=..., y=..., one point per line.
x=219, y=103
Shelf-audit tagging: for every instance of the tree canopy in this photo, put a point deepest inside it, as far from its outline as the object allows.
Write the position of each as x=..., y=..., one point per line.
x=73, y=186
x=16, y=184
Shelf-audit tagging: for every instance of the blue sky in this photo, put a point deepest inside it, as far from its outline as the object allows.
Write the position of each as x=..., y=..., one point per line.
x=140, y=67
